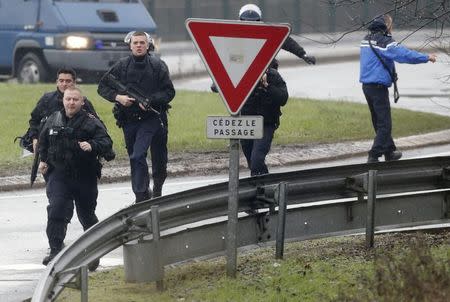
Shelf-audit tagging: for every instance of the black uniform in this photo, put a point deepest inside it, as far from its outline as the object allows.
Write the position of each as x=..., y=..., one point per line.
x=72, y=172
x=265, y=101
x=143, y=129
x=290, y=45
x=49, y=103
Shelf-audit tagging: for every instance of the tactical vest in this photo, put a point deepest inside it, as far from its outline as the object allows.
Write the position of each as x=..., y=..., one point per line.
x=62, y=144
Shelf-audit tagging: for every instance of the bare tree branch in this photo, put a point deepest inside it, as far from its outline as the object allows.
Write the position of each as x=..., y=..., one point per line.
x=413, y=15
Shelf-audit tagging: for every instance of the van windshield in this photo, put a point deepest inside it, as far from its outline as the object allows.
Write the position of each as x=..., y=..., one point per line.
x=103, y=1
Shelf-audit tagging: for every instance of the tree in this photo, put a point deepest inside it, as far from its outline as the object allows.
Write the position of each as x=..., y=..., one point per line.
x=412, y=15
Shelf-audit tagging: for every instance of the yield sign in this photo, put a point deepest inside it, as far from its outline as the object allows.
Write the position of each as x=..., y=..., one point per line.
x=236, y=54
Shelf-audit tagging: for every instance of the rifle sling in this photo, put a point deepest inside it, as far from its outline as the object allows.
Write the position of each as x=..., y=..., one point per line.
x=391, y=74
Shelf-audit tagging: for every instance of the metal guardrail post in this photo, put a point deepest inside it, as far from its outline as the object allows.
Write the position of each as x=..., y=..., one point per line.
x=371, y=198
x=80, y=281
x=280, y=198
x=446, y=206
x=233, y=199
x=159, y=268
x=84, y=283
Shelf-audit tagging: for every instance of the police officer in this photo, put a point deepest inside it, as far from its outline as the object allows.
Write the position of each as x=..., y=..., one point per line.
x=53, y=101
x=143, y=127
x=69, y=144
x=377, y=73
x=251, y=12
x=266, y=100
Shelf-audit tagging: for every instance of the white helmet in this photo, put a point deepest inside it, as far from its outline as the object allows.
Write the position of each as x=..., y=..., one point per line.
x=250, y=12
x=127, y=38
x=151, y=43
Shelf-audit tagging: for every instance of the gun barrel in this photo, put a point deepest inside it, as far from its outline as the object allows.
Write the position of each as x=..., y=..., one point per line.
x=34, y=170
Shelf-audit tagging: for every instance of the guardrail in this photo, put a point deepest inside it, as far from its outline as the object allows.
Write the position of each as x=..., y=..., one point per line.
x=321, y=202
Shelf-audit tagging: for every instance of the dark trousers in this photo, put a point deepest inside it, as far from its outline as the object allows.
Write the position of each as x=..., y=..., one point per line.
x=62, y=191
x=255, y=151
x=377, y=97
x=139, y=137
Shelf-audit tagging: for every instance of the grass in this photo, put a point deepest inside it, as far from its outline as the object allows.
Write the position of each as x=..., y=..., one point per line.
x=303, y=121
x=402, y=267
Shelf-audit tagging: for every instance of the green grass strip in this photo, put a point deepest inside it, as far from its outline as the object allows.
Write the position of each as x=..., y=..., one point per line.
x=303, y=121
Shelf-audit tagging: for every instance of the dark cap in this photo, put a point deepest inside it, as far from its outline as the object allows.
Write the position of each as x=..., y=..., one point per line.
x=378, y=24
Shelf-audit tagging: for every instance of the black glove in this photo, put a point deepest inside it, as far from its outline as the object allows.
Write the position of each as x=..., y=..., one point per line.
x=311, y=60
x=214, y=88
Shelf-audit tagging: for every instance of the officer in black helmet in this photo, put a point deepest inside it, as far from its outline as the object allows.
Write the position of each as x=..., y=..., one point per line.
x=251, y=12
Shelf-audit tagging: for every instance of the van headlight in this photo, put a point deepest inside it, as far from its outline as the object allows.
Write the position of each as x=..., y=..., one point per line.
x=75, y=42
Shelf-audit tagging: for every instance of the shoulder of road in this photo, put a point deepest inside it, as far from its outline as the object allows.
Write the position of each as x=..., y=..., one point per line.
x=209, y=163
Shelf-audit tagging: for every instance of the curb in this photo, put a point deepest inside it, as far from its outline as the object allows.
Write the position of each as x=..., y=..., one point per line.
x=217, y=162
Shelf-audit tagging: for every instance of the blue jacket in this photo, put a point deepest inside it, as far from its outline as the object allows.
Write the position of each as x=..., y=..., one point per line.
x=372, y=70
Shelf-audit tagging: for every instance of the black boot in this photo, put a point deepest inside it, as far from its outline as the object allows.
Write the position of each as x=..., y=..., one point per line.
x=142, y=196
x=394, y=155
x=47, y=259
x=93, y=265
x=157, y=186
x=372, y=159
x=157, y=191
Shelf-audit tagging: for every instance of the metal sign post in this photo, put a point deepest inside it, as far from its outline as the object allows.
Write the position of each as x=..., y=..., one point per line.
x=233, y=128
x=233, y=199
x=236, y=55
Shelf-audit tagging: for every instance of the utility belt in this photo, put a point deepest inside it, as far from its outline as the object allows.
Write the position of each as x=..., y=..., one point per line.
x=374, y=85
x=134, y=113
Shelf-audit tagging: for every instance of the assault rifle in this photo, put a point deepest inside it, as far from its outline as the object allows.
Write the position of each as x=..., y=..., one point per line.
x=36, y=160
x=133, y=92
x=35, y=166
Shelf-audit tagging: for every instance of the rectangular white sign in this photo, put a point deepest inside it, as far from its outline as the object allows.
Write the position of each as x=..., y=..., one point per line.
x=240, y=127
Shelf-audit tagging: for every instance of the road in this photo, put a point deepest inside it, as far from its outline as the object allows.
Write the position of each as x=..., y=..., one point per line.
x=23, y=214
x=22, y=231
x=422, y=87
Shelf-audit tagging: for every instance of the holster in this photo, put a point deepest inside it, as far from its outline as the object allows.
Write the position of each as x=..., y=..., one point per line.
x=119, y=115
x=98, y=168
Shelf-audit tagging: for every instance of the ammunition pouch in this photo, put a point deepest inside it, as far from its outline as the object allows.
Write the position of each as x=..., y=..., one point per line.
x=98, y=168
x=109, y=155
x=25, y=141
x=62, y=147
x=119, y=115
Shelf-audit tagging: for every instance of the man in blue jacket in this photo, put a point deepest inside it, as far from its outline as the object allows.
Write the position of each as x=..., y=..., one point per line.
x=377, y=73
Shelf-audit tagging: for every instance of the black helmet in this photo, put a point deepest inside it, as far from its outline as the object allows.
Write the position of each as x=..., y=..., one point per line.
x=250, y=12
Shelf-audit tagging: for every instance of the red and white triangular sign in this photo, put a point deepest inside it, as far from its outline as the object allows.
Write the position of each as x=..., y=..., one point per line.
x=236, y=54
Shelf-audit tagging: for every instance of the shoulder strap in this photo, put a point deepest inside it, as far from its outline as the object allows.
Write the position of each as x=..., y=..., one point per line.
x=155, y=62
x=83, y=115
x=392, y=74
x=123, y=69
